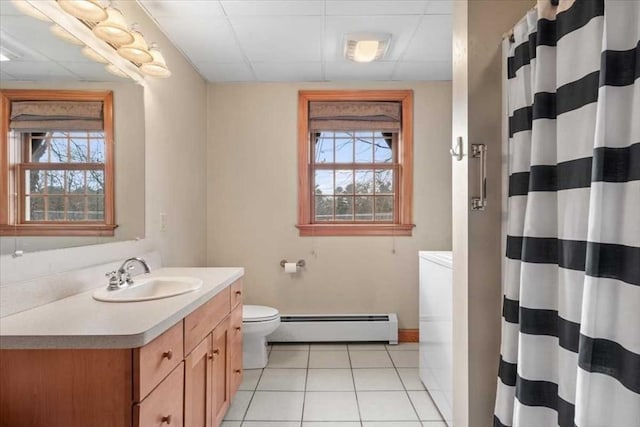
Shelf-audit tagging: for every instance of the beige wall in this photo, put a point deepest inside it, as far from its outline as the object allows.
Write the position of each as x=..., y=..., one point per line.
x=477, y=107
x=175, y=178
x=252, y=205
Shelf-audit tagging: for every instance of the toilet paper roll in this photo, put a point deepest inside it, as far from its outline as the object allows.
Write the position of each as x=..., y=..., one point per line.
x=290, y=267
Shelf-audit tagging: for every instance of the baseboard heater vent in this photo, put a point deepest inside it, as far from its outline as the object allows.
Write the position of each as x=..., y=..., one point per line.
x=336, y=328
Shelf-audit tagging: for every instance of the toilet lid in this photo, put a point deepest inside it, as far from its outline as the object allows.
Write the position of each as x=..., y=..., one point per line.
x=258, y=313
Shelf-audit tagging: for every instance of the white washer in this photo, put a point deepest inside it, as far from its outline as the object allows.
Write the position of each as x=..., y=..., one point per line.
x=258, y=321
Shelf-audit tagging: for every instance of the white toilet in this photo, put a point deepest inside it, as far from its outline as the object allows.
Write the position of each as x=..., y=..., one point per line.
x=258, y=321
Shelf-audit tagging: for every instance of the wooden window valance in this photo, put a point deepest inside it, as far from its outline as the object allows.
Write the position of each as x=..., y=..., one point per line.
x=355, y=115
x=56, y=116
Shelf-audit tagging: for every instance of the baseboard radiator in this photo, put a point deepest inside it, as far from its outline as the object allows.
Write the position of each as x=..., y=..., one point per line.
x=336, y=328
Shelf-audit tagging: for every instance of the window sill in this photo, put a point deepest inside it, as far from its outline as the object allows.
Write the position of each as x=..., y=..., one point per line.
x=103, y=230
x=355, y=229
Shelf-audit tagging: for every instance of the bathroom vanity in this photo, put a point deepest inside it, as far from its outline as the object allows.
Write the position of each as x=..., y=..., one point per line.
x=80, y=362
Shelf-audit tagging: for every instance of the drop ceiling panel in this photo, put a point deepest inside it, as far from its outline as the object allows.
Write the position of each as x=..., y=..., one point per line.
x=27, y=30
x=303, y=40
x=183, y=8
x=267, y=8
x=426, y=70
x=440, y=7
x=92, y=71
x=389, y=7
x=352, y=71
x=401, y=27
x=288, y=71
x=432, y=41
x=203, y=39
x=226, y=72
x=279, y=38
x=35, y=71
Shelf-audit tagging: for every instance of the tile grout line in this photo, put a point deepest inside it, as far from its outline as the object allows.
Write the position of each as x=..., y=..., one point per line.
x=403, y=385
x=306, y=379
x=353, y=381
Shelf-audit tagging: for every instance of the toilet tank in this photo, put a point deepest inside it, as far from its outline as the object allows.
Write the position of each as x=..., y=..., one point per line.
x=436, y=328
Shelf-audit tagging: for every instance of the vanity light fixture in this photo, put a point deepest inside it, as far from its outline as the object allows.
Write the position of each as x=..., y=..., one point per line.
x=29, y=10
x=88, y=10
x=366, y=47
x=108, y=41
x=114, y=29
x=65, y=35
x=157, y=67
x=136, y=51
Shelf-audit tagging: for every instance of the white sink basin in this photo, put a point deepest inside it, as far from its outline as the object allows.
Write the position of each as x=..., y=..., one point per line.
x=144, y=289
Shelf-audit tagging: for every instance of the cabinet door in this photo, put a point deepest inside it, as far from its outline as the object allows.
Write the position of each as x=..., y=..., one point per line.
x=220, y=371
x=197, y=385
x=235, y=350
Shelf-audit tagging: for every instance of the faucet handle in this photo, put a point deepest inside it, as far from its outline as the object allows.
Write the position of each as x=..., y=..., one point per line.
x=113, y=280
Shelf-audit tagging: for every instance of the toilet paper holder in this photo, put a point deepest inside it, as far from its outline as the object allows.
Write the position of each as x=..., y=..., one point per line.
x=299, y=264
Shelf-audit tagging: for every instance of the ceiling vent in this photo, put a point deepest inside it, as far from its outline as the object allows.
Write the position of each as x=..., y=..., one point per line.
x=366, y=47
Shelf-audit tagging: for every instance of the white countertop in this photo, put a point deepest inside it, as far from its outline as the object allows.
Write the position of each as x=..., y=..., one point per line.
x=80, y=321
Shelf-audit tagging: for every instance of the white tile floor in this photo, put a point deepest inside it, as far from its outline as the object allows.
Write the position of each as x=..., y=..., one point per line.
x=335, y=385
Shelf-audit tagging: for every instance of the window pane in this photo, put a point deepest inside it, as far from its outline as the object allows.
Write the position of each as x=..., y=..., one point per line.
x=324, y=147
x=96, y=153
x=344, y=150
x=344, y=182
x=95, y=208
x=384, y=181
x=39, y=149
x=384, y=208
x=364, y=147
x=364, y=208
x=364, y=182
x=344, y=208
x=55, y=208
x=324, y=208
x=55, y=182
x=35, y=181
x=95, y=182
x=79, y=150
x=76, y=205
x=75, y=181
x=383, y=148
x=323, y=183
x=35, y=210
x=58, y=147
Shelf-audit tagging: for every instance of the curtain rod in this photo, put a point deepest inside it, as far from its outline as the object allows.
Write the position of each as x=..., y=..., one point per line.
x=509, y=34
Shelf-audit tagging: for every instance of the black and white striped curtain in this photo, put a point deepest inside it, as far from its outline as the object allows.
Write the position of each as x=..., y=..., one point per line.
x=570, y=353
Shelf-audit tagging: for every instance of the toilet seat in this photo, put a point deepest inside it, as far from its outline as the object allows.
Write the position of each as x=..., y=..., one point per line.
x=259, y=313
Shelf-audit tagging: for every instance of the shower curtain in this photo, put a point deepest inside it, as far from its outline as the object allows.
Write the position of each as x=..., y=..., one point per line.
x=570, y=353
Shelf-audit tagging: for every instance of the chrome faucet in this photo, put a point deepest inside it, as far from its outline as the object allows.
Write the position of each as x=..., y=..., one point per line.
x=122, y=277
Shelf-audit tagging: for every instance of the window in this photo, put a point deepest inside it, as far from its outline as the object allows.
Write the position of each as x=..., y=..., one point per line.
x=56, y=158
x=355, y=163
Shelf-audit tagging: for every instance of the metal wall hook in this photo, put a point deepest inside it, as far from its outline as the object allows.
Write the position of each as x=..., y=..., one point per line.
x=457, y=152
x=301, y=263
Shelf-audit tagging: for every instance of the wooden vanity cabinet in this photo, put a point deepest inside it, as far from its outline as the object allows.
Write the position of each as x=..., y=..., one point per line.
x=186, y=376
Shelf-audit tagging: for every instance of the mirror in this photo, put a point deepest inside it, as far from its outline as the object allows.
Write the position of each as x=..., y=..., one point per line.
x=39, y=60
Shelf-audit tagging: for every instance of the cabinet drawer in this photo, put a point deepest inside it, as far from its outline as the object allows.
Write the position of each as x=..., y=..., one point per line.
x=154, y=361
x=236, y=293
x=164, y=405
x=198, y=324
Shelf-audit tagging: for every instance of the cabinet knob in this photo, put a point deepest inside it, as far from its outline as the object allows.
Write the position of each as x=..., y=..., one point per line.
x=238, y=371
x=166, y=419
x=210, y=356
x=167, y=355
x=216, y=351
x=238, y=328
x=238, y=293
